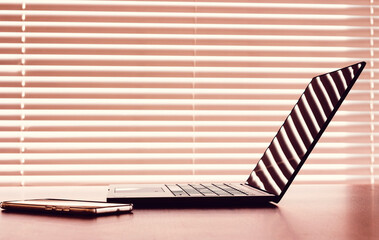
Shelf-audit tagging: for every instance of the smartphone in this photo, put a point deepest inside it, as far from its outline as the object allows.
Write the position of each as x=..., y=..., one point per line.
x=66, y=206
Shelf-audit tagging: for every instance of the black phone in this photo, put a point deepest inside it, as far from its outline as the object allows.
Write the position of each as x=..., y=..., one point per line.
x=66, y=206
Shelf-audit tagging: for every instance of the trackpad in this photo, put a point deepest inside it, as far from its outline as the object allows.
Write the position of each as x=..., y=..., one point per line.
x=142, y=190
x=138, y=190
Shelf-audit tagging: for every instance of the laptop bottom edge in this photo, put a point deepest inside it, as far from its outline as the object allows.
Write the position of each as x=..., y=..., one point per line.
x=195, y=202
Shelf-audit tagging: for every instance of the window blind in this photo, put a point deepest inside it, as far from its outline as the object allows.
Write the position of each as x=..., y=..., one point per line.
x=101, y=92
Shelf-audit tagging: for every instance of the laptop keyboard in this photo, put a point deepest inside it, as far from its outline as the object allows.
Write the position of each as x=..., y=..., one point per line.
x=210, y=189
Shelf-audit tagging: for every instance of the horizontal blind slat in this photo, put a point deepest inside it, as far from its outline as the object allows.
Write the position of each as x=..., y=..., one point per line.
x=142, y=91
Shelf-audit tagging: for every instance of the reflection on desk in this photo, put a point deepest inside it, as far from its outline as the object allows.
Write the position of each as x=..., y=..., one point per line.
x=306, y=212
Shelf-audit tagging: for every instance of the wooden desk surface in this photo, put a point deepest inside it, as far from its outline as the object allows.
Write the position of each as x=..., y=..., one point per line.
x=305, y=212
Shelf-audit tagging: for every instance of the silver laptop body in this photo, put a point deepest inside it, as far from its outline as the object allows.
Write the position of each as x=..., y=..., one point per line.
x=277, y=168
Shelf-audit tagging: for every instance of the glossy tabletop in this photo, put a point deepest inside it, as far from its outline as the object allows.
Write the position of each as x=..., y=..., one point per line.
x=305, y=212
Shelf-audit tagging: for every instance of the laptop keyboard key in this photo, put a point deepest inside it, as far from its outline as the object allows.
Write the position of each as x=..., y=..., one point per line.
x=205, y=191
x=217, y=190
x=230, y=190
x=247, y=190
x=176, y=190
x=190, y=190
x=208, y=189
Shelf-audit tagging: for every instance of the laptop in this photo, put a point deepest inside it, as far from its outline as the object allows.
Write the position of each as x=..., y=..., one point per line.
x=275, y=171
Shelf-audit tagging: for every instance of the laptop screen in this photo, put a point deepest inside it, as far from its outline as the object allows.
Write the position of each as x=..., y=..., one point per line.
x=302, y=129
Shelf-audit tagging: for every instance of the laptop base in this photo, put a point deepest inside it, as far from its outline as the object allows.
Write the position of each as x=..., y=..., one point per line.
x=160, y=196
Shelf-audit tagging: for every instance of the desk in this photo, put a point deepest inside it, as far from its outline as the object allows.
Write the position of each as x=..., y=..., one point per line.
x=305, y=212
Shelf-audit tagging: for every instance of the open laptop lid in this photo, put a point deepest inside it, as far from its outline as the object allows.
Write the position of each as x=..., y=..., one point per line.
x=302, y=129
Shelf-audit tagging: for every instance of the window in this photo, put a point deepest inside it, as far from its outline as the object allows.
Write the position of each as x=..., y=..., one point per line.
x=100, y=92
